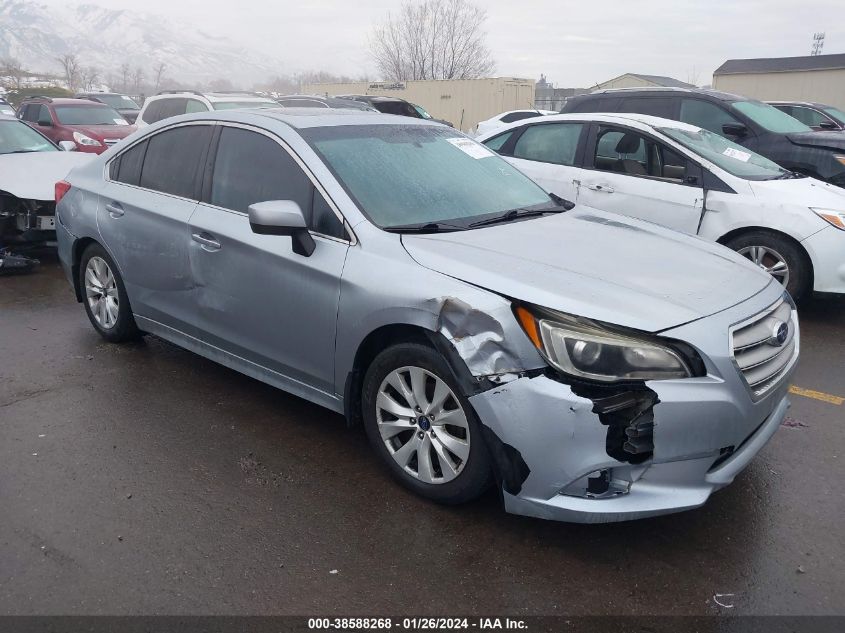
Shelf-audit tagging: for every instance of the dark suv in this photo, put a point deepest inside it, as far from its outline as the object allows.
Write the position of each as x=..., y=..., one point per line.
x=124, y=104
x=754, y=124
x=395, y=105
x=94, y=127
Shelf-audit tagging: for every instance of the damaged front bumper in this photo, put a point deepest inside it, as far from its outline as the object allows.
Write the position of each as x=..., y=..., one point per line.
x=570, y=453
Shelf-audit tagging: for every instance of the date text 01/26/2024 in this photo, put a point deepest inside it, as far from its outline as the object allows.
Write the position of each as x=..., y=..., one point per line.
x=416, y=624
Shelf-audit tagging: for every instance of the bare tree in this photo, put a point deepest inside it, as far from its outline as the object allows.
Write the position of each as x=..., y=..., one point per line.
x=12, y=73
x=89, y=78
x=125, y=71
x=137, y=79
x=220, y=85
x=158, y=74
x=432, y=39
x=70, y=66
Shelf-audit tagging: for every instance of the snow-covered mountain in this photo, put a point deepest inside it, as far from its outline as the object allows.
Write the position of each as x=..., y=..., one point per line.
x=36, y=34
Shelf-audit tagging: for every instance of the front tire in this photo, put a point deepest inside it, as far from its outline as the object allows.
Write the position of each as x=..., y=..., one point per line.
x=423, y=427
x=104, y=296
x=780, y=257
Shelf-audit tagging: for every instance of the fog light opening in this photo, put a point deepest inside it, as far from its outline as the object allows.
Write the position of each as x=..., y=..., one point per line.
x=599, y=484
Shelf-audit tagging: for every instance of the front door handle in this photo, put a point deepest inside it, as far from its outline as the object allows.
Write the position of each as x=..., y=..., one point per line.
x=206, y=242
x=115, y=209
x=601, y=188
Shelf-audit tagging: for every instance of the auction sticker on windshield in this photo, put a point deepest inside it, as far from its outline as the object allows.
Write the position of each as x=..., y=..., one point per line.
x=470, y=147
x=735, y=153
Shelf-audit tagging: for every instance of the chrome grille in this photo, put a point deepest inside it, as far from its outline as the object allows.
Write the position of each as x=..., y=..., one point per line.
x=760, y=357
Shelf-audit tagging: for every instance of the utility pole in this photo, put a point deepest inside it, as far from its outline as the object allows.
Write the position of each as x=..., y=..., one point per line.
x=818, y=44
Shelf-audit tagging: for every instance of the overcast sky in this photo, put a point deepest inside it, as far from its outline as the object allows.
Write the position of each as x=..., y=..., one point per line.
x=575, y=44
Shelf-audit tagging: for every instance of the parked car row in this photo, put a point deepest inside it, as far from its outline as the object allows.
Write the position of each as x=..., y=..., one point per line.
x=484, y=331
x=692, y=180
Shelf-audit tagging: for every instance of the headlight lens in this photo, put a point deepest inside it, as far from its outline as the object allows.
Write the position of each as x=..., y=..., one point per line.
x=585, y=349
x=81, y=139
x=836, y=218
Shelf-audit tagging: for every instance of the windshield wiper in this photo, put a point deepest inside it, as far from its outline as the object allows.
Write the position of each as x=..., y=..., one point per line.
x=427, y=227
x=21, y=151
x=516, y=214
x=788, y=175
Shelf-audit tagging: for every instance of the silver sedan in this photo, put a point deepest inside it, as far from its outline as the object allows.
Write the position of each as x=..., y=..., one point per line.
x=592, y=367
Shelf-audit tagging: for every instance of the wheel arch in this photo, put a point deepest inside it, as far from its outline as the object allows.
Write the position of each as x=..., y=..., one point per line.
x=385, y=336
x=78, y=248
x=730, y=235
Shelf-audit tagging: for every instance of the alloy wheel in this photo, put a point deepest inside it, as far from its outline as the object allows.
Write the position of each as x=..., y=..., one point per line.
x=423, y=425
x=769, y=260
x=101, y=293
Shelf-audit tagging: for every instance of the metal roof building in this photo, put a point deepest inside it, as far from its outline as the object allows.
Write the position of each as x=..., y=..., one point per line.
x=637, y=80
x=818, y=78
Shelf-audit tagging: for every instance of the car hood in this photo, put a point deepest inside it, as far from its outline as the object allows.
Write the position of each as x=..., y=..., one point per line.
x=831, y=140
x=805, y=192
x=33, y=176
x=598, y=265
x=101, y=132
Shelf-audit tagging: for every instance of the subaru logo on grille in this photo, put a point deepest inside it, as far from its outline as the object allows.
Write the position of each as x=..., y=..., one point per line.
x=780, y=332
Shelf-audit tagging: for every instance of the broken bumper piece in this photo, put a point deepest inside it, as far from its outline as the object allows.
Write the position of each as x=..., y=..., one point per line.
x=570, y=460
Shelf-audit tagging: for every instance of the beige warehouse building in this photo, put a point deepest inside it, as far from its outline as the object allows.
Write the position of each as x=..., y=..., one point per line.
x=818, y=78
x=464, y=102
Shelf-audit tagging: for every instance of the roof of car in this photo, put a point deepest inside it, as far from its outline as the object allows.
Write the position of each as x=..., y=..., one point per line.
x=65, y=101
x=707, y=92
x=301, y=118
x=373, y=98
x=213, y=96
x=812, y=104
x=622, y=118
x=337, y=102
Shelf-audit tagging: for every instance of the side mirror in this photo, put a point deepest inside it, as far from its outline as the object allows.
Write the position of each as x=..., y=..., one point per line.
x=282, y=217
x=735, y=129
x=68, y=146
x=45, y=122
x=828, y=125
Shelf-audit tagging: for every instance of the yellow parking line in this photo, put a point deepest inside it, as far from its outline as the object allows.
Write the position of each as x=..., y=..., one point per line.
x=816, y=395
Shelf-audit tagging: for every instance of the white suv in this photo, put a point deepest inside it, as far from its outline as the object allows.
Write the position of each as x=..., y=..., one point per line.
x=173, y=103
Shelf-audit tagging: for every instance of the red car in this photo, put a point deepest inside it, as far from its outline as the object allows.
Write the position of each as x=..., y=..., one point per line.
x=94, y=127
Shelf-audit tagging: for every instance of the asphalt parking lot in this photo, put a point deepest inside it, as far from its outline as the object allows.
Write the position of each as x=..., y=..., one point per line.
x=144, y=479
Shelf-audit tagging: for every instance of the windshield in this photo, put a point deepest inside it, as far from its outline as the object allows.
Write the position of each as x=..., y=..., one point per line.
x=121, y=102
x=17, y=137
x=403, y=175
x=836, y=113
x=233, y=105
x=89, y=115
x=734, y=159
x=5, y=108
x=769, y=117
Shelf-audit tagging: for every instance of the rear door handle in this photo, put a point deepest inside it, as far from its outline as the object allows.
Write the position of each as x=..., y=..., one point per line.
x=601, y=188
x=115, y=209
x=206, y=242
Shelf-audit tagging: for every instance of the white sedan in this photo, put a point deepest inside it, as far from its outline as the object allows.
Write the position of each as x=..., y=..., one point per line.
x=503, y=119
x=691, y=180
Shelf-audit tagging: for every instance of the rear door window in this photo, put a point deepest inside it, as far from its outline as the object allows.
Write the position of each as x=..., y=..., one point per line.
x=153, y=112
x=173, y=159
x=250, y=167
x=549, y=143
x=706, y=115
x=127, y=169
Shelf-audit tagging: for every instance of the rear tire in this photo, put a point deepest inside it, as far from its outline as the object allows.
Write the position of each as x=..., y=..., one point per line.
x=779, y=256
x=422, y=426
x=104, y=296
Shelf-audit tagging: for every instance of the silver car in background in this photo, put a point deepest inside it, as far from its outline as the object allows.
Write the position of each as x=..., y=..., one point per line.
x=595, y=367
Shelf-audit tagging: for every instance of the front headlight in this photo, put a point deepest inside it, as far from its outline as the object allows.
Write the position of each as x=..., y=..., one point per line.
x=836, y=218
x=82, y=139
x=585, y=349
